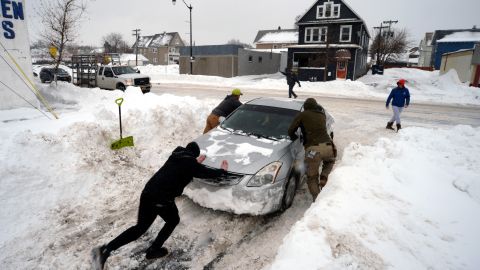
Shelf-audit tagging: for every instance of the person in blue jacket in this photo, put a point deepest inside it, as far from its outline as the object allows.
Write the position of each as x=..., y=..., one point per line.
x=400, y=97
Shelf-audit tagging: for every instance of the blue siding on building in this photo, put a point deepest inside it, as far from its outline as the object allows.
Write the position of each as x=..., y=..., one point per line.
x=447, y=47
x=211, y=50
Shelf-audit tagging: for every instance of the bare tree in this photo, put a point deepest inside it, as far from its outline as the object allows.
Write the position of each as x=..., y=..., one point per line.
x=60, y=19
x=390, y=45
x=114, y=43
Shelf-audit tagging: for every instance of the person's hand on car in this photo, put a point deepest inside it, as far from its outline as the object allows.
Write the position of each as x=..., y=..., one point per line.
x=201, y=158
x=224, y=165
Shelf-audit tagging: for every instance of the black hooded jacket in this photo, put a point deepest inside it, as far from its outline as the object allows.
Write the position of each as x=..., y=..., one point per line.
x=177, y=172
x=227, y=106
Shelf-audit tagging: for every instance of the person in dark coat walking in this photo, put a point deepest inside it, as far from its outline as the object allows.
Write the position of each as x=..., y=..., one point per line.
x=291, y=80
x=226, y=107
x=401, y=98
x=158, y=199
x=317, y=143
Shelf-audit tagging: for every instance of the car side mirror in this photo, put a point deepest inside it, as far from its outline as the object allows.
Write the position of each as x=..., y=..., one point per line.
x=138, y=71
x=221, y=119
x=299, y=134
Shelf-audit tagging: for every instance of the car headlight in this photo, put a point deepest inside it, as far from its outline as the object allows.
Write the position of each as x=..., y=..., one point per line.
x=266, y=175
x=129, y=82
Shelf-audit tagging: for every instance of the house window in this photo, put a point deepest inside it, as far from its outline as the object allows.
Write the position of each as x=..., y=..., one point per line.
x=154, y=50
x=260, y=59
x=328, y=10
x=345, y=33
x=315, y=34
x=155, y=60
x=250, y=59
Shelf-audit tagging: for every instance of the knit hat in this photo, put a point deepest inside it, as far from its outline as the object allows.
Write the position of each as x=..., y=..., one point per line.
x=401, y=82
x=193, y=148
x=236, y=92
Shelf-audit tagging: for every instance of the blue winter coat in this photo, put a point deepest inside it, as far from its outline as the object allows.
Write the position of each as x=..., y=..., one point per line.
x=400, y=97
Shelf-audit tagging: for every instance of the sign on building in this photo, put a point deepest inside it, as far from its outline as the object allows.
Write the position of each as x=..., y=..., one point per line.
x=15, y=59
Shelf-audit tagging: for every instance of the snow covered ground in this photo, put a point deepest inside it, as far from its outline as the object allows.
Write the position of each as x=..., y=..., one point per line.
x=424, y=86
x=408, y=201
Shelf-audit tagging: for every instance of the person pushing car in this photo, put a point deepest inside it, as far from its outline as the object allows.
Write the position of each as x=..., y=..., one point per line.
x=158, y=199
x=226, y=107
x=317, y=143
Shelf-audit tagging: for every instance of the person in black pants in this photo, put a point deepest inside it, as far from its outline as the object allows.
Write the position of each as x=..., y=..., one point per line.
x=291, y=80
x=158, y=199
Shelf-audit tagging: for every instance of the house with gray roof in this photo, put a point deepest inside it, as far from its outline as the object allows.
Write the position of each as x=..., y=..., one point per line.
x=276, y=39
x=160, y=49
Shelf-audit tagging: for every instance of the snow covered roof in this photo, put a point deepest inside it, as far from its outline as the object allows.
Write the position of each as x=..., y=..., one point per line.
x=282, y=36
x=276, y=36
x=157, y=40
x=462, y=37
x=125, y=57
x=459, y=51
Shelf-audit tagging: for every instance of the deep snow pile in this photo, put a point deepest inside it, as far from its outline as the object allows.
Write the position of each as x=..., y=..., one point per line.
x=59, y=178
x=409, y=202
x=425, y=86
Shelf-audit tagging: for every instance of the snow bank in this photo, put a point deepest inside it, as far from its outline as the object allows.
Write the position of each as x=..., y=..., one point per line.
x=59, y=177
x=425, y=86
x=402, y=203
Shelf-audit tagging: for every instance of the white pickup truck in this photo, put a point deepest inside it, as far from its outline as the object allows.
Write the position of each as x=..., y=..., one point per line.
x=119, y=77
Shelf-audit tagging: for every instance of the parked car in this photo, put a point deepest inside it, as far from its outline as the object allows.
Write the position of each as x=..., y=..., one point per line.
x=119, y=77
x=265, y=166
x=48, y=75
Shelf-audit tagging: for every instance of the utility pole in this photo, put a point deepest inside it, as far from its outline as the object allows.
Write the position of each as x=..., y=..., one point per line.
x=136, y=33
x=390, y=22
x=379, y=45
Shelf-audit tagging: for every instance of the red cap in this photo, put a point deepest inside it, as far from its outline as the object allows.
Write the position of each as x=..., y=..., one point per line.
x=401, y=82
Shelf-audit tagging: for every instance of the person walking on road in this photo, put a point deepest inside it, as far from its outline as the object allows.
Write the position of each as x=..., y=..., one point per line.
x=400, y=97
x=158, y=199
x=226, y=107
x=317, y=143
x=291, y=80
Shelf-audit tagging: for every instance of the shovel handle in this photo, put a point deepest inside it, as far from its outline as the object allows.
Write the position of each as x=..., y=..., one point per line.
x=119, y=101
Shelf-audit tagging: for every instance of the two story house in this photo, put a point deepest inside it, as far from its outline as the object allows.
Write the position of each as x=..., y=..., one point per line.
x=332, y=40
x=160, y=49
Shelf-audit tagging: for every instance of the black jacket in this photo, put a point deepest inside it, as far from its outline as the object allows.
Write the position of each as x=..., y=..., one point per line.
x=177, y=172
x=227, y=106
x=291, y=78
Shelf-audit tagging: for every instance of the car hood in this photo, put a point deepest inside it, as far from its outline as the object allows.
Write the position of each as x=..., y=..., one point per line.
x=245, y=154
x=132, y=76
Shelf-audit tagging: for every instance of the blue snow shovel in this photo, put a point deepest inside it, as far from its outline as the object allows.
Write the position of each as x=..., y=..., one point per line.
x=123, y=142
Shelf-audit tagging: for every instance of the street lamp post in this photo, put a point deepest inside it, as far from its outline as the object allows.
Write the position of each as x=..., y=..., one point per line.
x=191, y=48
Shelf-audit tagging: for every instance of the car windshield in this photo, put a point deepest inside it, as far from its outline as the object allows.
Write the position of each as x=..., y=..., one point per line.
x=260, y=121
x=123, y=70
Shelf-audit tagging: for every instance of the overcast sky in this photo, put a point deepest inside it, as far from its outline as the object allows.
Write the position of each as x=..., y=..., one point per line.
x=218, y=21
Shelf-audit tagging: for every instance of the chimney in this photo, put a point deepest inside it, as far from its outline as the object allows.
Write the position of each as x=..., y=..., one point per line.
x=474, y=27
x=279, y=28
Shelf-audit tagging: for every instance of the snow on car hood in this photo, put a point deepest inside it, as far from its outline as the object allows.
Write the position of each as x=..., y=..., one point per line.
x=245, y=154
x=132, y=76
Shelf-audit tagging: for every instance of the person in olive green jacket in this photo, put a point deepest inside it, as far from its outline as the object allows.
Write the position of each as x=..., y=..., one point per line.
x=317, y=143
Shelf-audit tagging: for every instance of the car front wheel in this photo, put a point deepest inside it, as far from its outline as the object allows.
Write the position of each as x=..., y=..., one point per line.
x=289, y=193
x=121, y=87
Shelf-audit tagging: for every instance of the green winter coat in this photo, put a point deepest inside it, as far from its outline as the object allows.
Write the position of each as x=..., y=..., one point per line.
x=312, y=122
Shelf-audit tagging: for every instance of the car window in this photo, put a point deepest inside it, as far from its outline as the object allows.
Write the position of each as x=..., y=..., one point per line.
x=100, y=71
x=123, y=70
x=261, y=121
x=108, y=72
x=61, y=72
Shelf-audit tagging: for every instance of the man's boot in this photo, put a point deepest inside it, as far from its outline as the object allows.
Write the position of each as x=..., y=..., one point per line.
x=99, y=257
x=389, y=126
x=399, y=127
x=154, y=253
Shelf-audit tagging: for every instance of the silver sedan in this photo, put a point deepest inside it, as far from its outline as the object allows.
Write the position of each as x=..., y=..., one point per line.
x=265, y=166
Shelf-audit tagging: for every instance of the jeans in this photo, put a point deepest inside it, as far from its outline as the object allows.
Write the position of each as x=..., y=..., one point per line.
x=148, y=211
x=397, y=111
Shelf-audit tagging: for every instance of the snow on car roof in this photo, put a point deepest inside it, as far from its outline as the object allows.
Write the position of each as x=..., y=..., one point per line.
x=287, y=103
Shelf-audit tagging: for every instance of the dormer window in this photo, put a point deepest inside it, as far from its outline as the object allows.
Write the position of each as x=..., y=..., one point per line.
x=328, y=10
